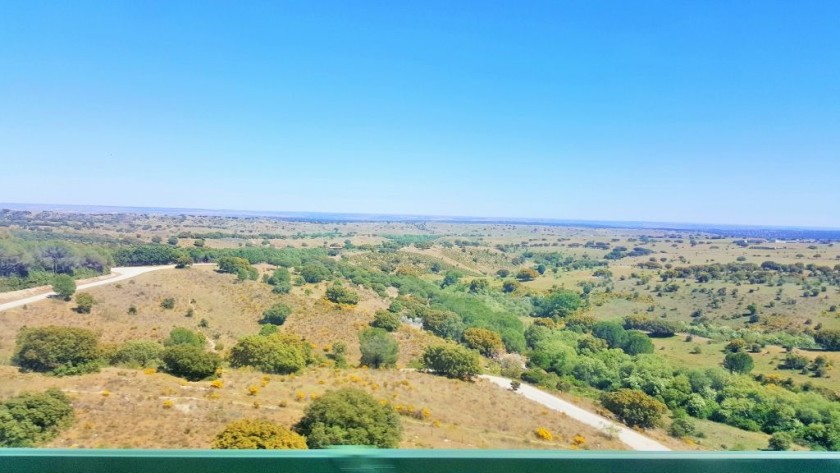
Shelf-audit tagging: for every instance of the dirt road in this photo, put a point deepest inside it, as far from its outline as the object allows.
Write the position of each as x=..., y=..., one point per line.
x=631, y=438
x=120, y=274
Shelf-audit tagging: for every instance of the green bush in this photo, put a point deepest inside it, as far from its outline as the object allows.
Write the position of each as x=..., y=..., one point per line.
x=349, y=417
x=168, y=303
x=389, y=321
x=84, y=302
x=612, y=332
x=682, y=427
x=443, y=323
x=57, y=350
x=276, y=314
x=276, y=353
x=138, y=354
x=829, y=339
x=634, y=407
x=558, y=303
x=29, y=419
x=314, y=272
x=190, y=362
x=268, y=329
x=637, y=343
x=184, y=336
x=64, y=286
x=258, y=434
x=341, y=295
x=282, y=288
x=379, y=348
x=780, y=441
x=738, y=362
x=487, y=342
x=280, y=276
x=451, y=361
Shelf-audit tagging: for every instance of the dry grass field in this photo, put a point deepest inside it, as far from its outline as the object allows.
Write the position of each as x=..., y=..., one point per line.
x=121, y=408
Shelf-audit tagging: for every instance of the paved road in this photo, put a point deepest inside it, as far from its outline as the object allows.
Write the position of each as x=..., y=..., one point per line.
x=121, y=274
x=631, y=438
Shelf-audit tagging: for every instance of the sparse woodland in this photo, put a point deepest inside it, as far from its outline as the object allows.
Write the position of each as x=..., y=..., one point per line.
x=264, y=331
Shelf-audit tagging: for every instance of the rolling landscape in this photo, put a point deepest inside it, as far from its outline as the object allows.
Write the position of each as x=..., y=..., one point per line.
x=500, y=236
x=186, y=327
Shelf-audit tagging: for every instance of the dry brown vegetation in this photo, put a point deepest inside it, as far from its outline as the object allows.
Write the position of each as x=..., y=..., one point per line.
x=131, y=409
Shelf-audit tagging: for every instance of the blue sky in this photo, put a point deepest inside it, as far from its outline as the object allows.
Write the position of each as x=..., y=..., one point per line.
x=682, y=111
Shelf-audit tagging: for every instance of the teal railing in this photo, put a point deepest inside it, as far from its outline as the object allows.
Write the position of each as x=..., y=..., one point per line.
x=410, y=461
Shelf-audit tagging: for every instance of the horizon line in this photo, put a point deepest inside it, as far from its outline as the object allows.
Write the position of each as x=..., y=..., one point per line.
x=411, y=217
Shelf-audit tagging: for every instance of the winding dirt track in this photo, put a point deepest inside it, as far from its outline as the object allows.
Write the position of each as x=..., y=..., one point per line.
x=631, y=438
x=121, y=274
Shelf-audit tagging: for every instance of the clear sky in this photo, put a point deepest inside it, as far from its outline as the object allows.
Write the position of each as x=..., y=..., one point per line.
x=681, y=111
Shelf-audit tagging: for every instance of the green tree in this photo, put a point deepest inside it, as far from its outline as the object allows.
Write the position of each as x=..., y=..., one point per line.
x=236, y=265
x=185, y=336
x=64, y=286
x=612, y=332
x=829, y=339
x=349, y=416
x=634, y=407
x=339, y=354
x=451, y=361
x=173, y=240
x=280, y=276
x=780, y=441
x=84, y=302
x=138, y=354
x=280, y=353
x=315, y=272
x=341, y=295
x=682, y=427
x=510, y=286
x=190, y=362
x=379, y=348
x=276, y=314
x=637, y=343
x=386, y=320
x=32, y=418
x=57, y=350
x=738, y=362
x=558, y=303
x=183, y=261
x=479, y=286
x=450, y=279
x=443, y=323
x=527, y=274
x=258, y=434
x=486, y=342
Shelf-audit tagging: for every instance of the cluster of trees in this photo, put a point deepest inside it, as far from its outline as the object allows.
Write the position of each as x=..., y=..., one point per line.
x=452, y=361
x=563, y=358
x=620, y=252
x=743, y=272
x=26, y=264
x=57, y=350
x=280, y=281
x=558, y=261
x=557, y=303
x=241, y=267
x=29, y=419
